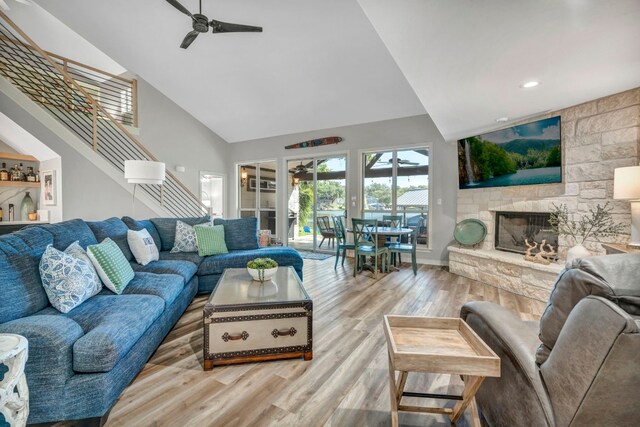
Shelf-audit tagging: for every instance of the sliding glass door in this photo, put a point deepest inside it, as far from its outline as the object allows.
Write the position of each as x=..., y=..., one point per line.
x=317, y=192
x=396, y=182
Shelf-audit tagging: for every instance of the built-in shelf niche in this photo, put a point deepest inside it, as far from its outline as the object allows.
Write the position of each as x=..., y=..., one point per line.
x=12, y=192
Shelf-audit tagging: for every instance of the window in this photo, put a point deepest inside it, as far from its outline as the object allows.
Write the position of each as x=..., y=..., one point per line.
x=257, y=195
x=396, y=182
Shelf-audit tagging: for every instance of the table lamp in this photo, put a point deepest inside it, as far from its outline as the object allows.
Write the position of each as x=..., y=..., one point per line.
x=626, y=186
x=143, y=172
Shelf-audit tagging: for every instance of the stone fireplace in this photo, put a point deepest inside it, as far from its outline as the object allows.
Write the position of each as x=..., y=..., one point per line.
x=597, y=137
x=500, y=260
x=514, y=229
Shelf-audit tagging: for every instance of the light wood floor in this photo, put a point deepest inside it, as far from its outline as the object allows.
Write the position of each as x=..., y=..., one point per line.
x=344, y=385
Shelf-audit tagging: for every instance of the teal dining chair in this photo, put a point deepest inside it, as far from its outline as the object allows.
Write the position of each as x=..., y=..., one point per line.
x=365, y=241
x=341, y=239
x=392, y=221
x=407, y=248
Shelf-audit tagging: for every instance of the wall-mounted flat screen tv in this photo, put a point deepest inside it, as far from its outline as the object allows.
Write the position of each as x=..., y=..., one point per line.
x=520, y=155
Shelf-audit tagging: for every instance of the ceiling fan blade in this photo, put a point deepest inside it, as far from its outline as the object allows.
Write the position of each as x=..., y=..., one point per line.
x=189, y=39
x=226, y=27
x=180, y=7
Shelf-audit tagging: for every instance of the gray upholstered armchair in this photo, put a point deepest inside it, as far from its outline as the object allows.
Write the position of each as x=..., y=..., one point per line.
x=580, y=365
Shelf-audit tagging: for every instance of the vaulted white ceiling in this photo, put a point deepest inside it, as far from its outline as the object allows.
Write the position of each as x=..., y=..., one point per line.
x=467, y=59
x=331, y=63
x=318, y=64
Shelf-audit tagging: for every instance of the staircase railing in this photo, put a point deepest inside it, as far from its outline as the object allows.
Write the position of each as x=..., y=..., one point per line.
x=116, y=94
x=46, y=81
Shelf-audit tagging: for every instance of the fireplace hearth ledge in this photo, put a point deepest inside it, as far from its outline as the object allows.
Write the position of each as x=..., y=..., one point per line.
x=505, y=270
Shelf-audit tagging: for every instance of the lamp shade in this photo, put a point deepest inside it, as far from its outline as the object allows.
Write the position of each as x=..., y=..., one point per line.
x=626, y=183
x=144, y=172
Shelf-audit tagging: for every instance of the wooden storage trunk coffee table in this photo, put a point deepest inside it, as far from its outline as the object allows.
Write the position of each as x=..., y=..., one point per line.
x=249, y=321
x=439, y=345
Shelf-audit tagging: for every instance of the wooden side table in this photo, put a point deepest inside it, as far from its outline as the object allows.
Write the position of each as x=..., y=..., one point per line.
x=14, y=394
x=619, y=248
x=437, y=345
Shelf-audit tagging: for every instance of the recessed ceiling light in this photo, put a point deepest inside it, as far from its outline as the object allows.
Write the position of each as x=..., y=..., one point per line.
x=502, y=119
x=530, y=84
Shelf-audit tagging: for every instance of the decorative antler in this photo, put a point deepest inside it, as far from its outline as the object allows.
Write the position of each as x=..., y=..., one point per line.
x=528, y=254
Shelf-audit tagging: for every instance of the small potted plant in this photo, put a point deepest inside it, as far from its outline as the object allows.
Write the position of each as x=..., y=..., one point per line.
x=598, y=223
x=262, y=269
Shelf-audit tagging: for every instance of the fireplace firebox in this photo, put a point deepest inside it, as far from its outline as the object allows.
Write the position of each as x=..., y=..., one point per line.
x=512, y=228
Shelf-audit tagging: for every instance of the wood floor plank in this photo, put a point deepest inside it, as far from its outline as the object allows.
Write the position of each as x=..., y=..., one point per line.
x=345, y=384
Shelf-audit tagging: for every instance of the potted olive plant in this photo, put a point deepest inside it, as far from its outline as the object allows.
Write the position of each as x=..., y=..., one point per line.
x=262, y=269
x=598, y=223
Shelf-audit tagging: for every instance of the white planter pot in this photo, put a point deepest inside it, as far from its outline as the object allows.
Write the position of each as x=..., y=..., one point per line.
x=576, y=252
x=262, y=275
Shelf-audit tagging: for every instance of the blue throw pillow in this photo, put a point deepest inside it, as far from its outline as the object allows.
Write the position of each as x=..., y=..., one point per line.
x=240, y=234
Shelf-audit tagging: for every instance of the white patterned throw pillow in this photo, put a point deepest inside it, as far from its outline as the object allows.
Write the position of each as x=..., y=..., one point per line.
x=142, y=246
x=68, y=277
x=185, y=238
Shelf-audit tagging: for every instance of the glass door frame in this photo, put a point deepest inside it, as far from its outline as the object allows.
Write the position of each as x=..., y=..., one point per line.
x=258, y=209
x=315, y=158
x=395, y=149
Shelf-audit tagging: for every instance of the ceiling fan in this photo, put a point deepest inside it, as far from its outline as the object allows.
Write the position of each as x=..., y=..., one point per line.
x=402, y=162
x=5, y=6
x=301, y=168
x=201, y=24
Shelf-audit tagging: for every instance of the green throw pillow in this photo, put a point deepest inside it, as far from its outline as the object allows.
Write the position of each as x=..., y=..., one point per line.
x=210, y=239
x=112, y=266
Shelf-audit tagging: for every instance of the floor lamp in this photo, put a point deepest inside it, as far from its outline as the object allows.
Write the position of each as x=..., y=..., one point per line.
x=143, y=172
x=626, y=186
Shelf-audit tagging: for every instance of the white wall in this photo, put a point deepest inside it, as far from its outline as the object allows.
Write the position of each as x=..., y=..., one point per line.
x=405, y=132
x=177, y=138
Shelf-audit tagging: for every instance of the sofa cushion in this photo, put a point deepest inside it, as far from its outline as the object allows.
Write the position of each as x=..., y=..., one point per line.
x=165, y=286
x=612, y=276
x=112, y=324
x=139, y=224
x=112, y=267
x=68, y=277
x=185, y=269
x=181, y=256
x=216, y=264
x=21, y=291
x=166, y=228
x=116, y=230
x=67, y=232
x=240, y=234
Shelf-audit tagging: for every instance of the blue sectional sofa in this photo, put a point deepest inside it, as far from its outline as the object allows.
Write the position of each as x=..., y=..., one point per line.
x=80, y=362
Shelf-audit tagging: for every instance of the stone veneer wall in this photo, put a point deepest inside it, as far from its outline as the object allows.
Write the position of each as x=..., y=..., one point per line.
x=504, y=270
x=597, y=137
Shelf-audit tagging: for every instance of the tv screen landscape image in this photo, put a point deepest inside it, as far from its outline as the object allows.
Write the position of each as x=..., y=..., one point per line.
x=520, y=155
